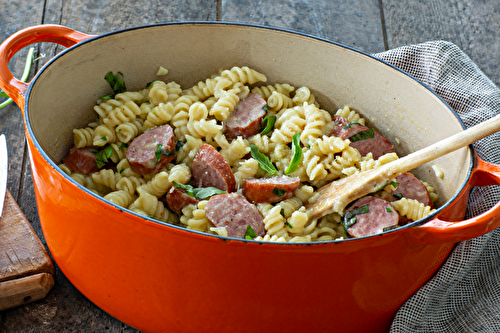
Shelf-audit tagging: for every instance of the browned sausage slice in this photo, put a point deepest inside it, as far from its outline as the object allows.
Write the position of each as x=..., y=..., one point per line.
x=177, y=199
x=378, y=145
x=379, y=215
x=271, y=190
x=246, y=118
x=235, y=213
x=81, y=160
x=141, y=152
x=211, y=169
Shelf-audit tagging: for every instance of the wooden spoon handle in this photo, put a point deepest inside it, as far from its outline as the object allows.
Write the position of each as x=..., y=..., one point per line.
x=448, y=145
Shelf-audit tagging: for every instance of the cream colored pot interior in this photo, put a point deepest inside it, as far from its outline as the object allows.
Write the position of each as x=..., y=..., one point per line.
x=409, y=115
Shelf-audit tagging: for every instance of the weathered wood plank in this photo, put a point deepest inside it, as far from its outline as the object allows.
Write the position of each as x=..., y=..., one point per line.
x=352, y=23
x=473, y=25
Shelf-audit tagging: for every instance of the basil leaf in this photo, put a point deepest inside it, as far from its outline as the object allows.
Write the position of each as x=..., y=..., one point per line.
x=265, y=107
x=350, y=125
x=390, y=228
x=268, y=124
x=350, y=216
x=388, y=210
x=363, y=135
x=279, y=192
x=117, y=84
x=178, y=145
x=102, y=156
x=206, y=192
x=123, y=145
x=297, y=154
x=250, y=233
x=160, y=151
x=199, y=192
x=398, y=195
x=264, y=162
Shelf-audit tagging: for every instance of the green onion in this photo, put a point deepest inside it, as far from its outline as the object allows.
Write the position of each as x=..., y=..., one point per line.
x=264, y=162
x=297, y=154
x=199, y=193
x=102, y=156
x=160, y=151
x=117, y=84
x=24, y=77
x=250, y=233
x=279, y=192
x=363, y=135
x=268, y=124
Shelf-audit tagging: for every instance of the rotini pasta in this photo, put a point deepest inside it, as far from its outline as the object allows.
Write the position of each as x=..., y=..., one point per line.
x=298, y=145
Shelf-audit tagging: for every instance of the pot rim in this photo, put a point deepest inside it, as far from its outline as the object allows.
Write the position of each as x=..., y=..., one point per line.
x=224, y=238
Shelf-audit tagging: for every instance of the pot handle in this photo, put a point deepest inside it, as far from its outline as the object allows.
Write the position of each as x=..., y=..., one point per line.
x=50, y=33
x=438, y=230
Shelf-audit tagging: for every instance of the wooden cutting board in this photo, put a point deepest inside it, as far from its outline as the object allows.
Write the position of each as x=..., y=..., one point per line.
x=26, y=269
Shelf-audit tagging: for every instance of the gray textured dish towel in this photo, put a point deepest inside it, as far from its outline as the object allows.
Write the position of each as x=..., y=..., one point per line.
x=464, y=295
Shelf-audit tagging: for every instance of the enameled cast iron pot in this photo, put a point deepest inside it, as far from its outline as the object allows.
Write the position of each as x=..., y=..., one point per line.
x=158, y=277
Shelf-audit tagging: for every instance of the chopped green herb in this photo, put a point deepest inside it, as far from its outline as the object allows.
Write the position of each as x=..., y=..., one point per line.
x=102, y=156
x=116, y=83
x=268, y=124
x=289, y=225
x=282, y=212
x=388, y=210
x=393, y=183
x=123, y=145
x=390, y=228
x=363, y=135
x=263, y=160
x=398, y=195
x=350, y=125
x=265, y=107
x=149, y=83
x=199, y=192
x=279, y=192
x=178, y=145
x=160, y=151
x=103, y=138
x=297, y=154
x=350, y=216
x=104, y=98
x=121, y=170
x=250, y=233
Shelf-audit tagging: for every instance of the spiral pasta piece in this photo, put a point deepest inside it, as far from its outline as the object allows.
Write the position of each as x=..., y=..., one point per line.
x=83, y=137
x=225, y=104
x=104, y=134
x=120, y=197
x=159, y=115
x=304, y=95
x=315, y=121
x=243, y=75
x=130, y=184
x=180, y=173
x=106, y=177
x=278, y=101
x=197, y=220
x=350, y=115
x=158, y=185
x=122, y=114
x=127, y=131
x=412, y=209
x=246, y=170
x=266, y=91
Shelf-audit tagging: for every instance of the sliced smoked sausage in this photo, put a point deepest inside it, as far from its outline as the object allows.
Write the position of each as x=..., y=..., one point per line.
x=177, y=199
x=378, y=145
x=270, y=190
x=372, y=217
x=340, y=123
x=211, y=169
x=235, y=213
x=141, y=153
x=246, y=118
x=81, y=160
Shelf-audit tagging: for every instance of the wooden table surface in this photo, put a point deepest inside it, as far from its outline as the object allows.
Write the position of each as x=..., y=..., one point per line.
x=369, y=25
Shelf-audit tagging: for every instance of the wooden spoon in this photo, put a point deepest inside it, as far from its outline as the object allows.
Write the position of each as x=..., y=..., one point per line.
x=335, y=196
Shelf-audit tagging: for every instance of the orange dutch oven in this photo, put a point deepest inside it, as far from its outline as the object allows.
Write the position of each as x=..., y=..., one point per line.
x=159, y=277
